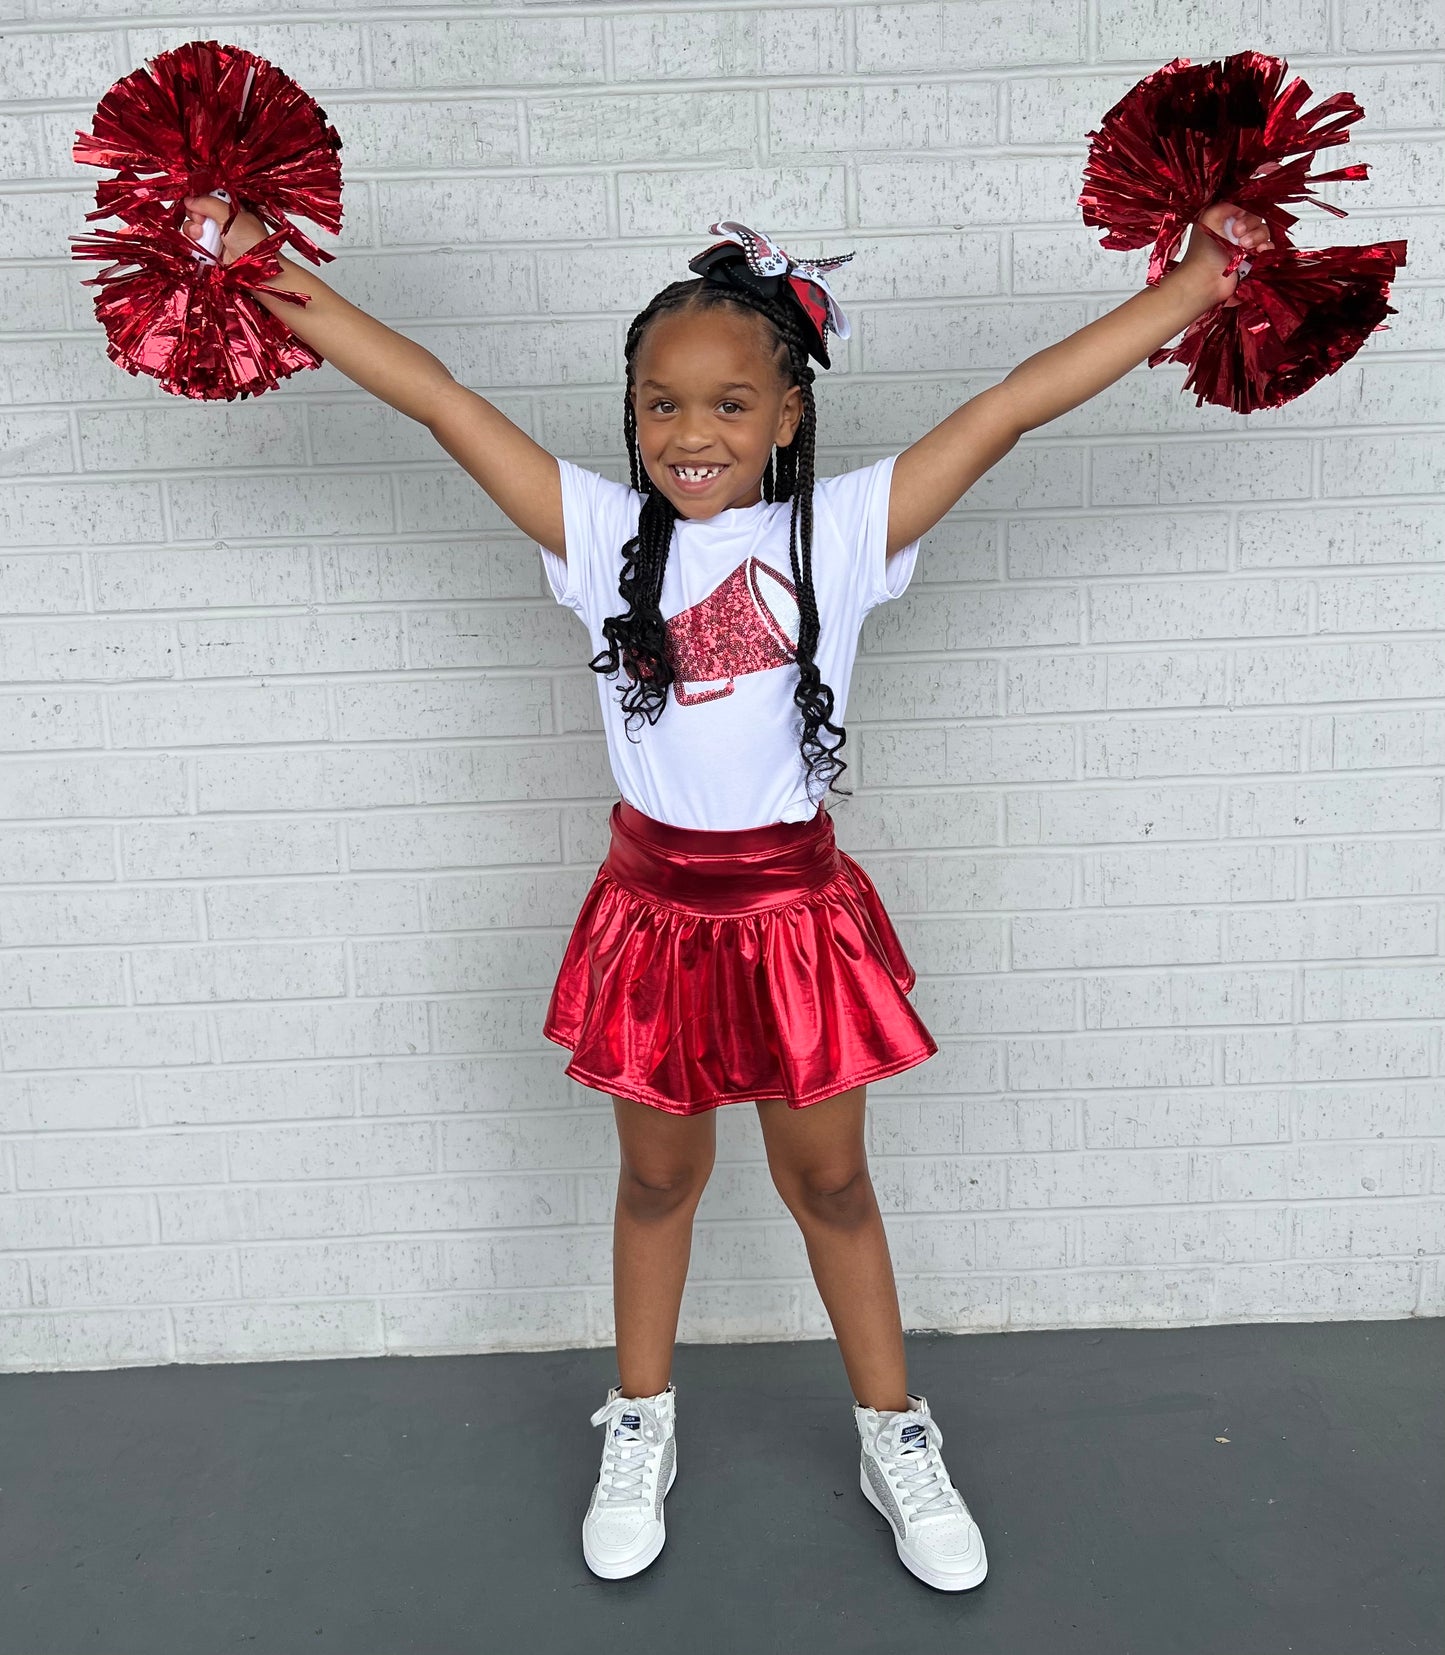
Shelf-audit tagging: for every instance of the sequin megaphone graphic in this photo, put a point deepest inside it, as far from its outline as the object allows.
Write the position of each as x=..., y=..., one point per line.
x=747, y=624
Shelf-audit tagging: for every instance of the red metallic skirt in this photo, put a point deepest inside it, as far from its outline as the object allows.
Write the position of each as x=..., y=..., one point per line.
x=710, y=967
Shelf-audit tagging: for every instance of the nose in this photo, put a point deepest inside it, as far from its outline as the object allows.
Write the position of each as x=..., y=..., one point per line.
x=696, y=432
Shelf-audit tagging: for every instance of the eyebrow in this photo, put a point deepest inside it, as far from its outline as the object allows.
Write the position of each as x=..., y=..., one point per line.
x=732, y=385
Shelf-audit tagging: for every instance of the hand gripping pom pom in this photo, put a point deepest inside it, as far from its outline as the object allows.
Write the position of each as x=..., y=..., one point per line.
x=1192, y=134
x=205, y=119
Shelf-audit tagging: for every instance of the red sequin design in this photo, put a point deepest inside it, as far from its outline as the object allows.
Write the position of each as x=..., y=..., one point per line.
x=749, y=623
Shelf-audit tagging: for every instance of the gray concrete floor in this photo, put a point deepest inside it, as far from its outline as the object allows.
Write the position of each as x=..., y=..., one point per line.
x=388, y=1505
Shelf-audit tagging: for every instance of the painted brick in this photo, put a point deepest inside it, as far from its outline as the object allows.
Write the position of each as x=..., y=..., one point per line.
x=187, y=850
x=41, y=585
x=1328, y=537
x=433, y=132
x=412, y=284
x=358, y=1029
x=60, y=65
x=56, y=854
x=582, y=131
x=313, y=908
x=135, y=915
x=982, y=190
x=77, y=652
x=965, y=35
x=61, y=977
x=922, y=115
x=78, y=514
x=33, y=300
x=1159, y=29
x=205, y=438
x=94, y=787
x=238, y=972
x=320, y=56
x=485, y=52
x=655, y=203
x=204, y=1096
x=67, y=1040
x=783, y=41
x=389, y=573
x=455, y=211
x=240, y=648
x=1329, y=931
x=49, y=1103
x=202, y=578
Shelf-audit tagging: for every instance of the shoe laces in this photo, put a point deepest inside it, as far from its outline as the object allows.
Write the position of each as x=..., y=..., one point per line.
x=909, y=1446
x=635, y=1433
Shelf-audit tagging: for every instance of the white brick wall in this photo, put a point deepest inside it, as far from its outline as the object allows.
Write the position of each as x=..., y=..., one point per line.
x=304, y=780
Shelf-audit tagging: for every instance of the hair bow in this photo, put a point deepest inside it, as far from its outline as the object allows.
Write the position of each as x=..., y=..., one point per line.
x=763, y=267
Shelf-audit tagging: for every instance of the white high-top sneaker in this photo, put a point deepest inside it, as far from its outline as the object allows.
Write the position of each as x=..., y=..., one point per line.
x=902, y=1473
x=623, y=1530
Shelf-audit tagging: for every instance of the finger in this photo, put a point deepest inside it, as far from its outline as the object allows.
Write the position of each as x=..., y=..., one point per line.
x=207, y=206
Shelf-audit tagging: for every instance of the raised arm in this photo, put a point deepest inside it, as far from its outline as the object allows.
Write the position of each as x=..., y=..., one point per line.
x=518, y=473
x=932, y=476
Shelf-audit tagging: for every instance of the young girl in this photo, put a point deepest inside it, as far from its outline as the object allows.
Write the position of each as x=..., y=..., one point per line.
x=728, y=950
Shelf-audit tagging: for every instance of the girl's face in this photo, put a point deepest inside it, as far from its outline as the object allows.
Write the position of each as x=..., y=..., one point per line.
x=709, y=397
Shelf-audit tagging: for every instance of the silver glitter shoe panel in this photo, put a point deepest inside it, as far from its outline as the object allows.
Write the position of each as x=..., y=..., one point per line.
x=881, y=1488
x=669, y=1454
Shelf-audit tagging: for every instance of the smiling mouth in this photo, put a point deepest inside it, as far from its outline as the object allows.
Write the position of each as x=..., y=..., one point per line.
x=696, y=476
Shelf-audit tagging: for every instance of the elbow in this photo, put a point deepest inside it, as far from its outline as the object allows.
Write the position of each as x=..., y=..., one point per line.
x=437, y=400
x=1008, y=414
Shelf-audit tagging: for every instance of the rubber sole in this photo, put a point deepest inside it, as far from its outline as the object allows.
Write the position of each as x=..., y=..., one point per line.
x=632, y=1565
x=930, y=1577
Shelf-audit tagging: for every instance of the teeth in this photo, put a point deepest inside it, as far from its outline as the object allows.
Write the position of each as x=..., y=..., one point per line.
x=694, y=474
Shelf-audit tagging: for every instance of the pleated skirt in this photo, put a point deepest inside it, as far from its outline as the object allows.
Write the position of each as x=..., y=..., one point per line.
x=709, y=967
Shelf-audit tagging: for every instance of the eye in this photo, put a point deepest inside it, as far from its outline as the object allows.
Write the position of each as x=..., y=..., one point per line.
x=736, y=405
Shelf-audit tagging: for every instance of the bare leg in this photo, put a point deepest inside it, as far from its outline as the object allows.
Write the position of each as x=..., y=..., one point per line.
x=666, y=1162
x=818, y=1161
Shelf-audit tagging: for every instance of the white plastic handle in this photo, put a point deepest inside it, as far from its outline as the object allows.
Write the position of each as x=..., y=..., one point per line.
x=210, y=237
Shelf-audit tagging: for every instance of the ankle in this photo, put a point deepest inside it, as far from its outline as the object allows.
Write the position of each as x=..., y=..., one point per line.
x=643, y=1395
x=889, y=1404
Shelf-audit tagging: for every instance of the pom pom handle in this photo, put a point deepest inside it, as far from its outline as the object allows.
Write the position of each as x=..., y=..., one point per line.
x=210, y=237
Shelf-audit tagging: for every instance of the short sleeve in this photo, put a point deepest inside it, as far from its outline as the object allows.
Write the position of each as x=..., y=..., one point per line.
x=599, y=517
x=857, y=501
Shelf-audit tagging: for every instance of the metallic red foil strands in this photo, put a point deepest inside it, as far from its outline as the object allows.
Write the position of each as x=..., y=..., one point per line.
x=1192, y=134
x=206, y=115
x=1302, y=314
x=192, y=323
x=203, y=117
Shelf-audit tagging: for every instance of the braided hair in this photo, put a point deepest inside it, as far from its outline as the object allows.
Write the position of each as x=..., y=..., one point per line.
x=637, y=640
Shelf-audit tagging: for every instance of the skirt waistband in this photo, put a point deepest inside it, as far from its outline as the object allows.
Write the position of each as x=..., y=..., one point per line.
x=721, y=871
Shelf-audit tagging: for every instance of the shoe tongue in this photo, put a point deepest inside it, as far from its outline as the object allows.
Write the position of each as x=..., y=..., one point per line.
x=629, y=1422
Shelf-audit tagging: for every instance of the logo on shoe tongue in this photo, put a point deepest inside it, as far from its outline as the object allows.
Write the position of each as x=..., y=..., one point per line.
x=632, y=1422
x=910, y=1434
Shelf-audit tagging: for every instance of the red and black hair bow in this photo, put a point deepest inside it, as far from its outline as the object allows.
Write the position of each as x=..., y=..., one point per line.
x=750, y=260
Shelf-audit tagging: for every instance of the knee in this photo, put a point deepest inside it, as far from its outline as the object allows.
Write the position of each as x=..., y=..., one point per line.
x=659, y=1190
x=840, y=1196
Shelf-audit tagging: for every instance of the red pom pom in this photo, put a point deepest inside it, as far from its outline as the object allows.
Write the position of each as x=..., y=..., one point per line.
x=201, y=118
x=207, y=116
x=189, y=322
x=1301, y=314
x=1191, y=134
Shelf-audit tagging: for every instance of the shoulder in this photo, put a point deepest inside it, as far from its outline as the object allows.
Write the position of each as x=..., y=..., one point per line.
x=595, y=509
x=855, y=492
x=593, y=487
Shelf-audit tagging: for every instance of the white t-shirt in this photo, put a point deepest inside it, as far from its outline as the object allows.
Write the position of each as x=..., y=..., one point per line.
x=724, y=753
